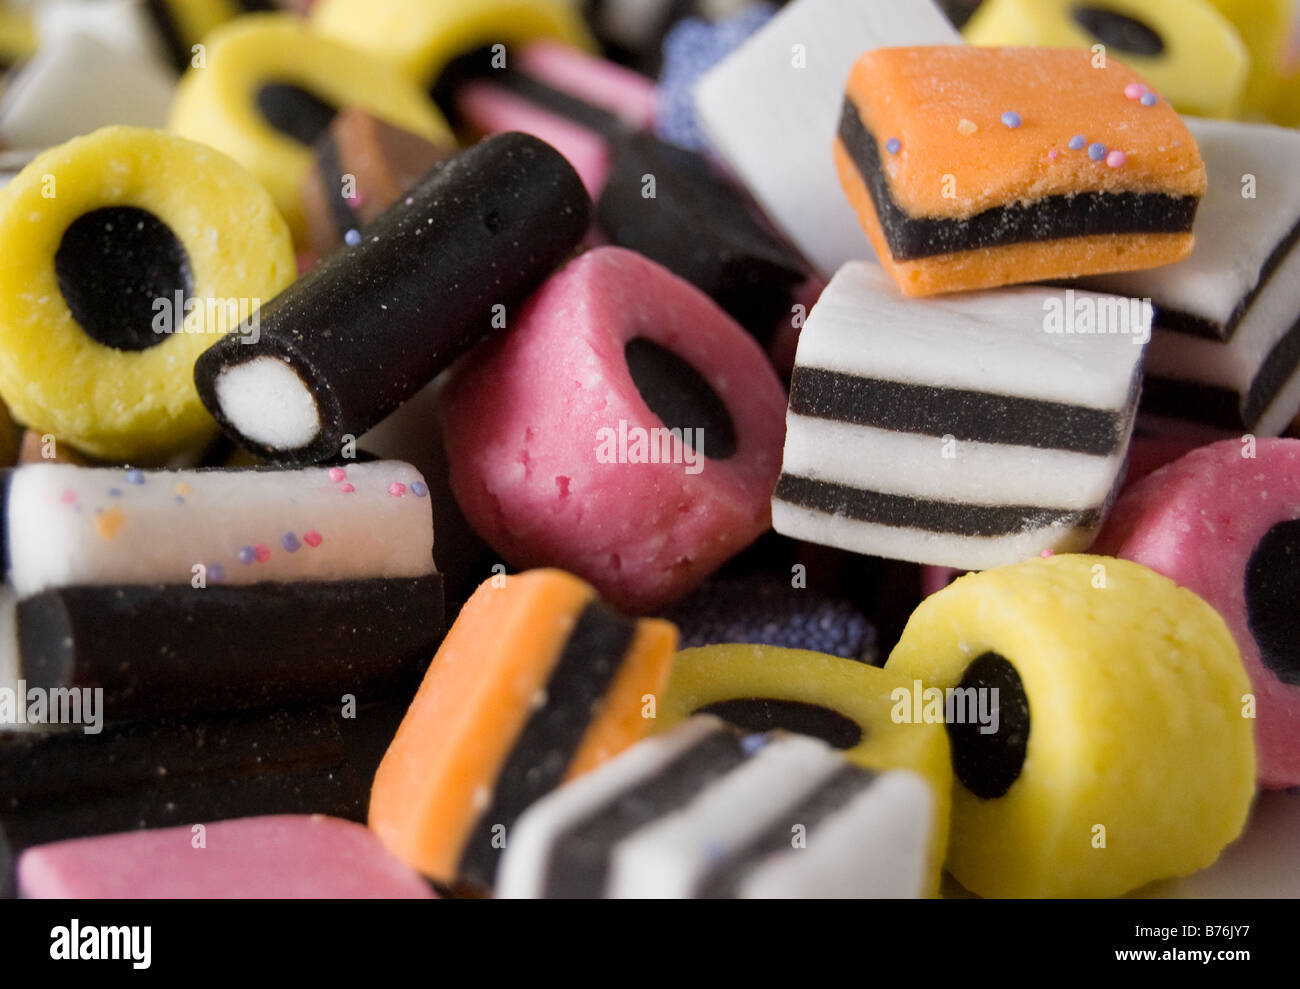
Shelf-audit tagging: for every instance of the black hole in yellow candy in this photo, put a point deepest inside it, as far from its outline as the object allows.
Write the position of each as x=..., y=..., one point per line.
x=987, y=761
x=1273, y=600
x=294, y=111
x=765, y=714
x=1116, y=30
x=125, y=277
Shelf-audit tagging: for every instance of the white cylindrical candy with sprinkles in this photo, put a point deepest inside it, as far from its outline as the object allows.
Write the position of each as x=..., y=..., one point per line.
x=67, y=525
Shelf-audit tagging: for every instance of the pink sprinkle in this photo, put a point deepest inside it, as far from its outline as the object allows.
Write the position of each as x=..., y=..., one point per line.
x=397, y=489
x=312, y=538
x=1116, y=158
x=1053, y=155
x=346, y=488
x=1047, y=554
x=68, y=496
x=261, y=552
x=1134, y=90
x=337, y=474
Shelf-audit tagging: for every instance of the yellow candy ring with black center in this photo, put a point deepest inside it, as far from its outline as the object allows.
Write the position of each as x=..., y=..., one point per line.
x=270, y=87
x=1124, y=751
x=106, y=240
x=849, y=705
x=1186, y=50
x=424, y=36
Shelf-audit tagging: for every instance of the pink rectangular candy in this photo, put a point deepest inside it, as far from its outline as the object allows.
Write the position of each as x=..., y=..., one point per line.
x=289, y=856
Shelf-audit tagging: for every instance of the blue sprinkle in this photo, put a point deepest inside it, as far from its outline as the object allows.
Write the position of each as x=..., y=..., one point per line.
x=134, y=476
x=419, y=489
x=352, y=238
x=893, y=146
x=749, y=744
x=1149, y=99
x=216, y=573
x=1096, y=151
x=1078, y=142
x=247, y=555
x=115, y=492
x=290, y=542
x=180, y=500
x=1011, y=119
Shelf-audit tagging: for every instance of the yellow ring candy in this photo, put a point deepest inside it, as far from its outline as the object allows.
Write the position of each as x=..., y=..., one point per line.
x=814, y=694
x=1128, y=758
x=17, y=37
x=1263, y=26
x=219, y=103
x=1185, y=49
x=55, y=375
x=423, y=36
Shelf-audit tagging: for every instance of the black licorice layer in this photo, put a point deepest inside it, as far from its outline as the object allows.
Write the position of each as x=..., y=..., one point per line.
x=164, y=773
x=1272, y=595
x=172, y=650
x=761, y=714
x=681, y=397
x=541, y=755
x=697, y=226
x=111, y=265
x=830, y=797
x=980, y=417
x=579, y=865
x=372, y=324
x=330, y=169
x=1083, y=214
x=1215, y=405
x=903, y=511
x=988, y=765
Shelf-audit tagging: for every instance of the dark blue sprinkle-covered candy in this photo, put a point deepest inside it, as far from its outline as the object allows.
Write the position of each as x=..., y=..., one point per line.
x=770, y=612
x=691, y=48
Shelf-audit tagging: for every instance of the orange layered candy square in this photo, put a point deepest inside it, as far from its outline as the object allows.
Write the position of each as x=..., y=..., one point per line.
x=971, y=168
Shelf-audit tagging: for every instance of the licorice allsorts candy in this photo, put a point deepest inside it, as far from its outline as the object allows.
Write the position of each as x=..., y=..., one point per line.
x=363, y=165
x=1224, y=521
x=963, y=432
x=772, y=100
x=370, y=326
x=698, y=227
x=270, y=87
x=692, y=47
x=174, y=649
x=705, y=812
x=578, y=103
x=1264, y=26
x=978, y=167
x=17, y=38
x=76, y=84
x=66, y=526
x=276, y=856
x=423, y=38
x=1122, y=754
x=648, y=472
x=850, y=706
x=157, y=773
x=116, y=279
x=767, y=611
x=1170, y=42
x=637, y=31
x=538, y=681
x=1226, y=347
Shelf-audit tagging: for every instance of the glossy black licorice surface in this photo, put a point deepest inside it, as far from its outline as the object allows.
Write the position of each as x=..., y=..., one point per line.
x=435, y=273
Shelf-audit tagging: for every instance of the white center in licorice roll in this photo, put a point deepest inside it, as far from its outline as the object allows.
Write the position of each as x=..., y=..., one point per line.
x=760, y=714
x=268, y=403
x=1116, y=30
x=120, y=269
x=294, y=111
x=1272, y=598
x=988, y=763
x=681, y=398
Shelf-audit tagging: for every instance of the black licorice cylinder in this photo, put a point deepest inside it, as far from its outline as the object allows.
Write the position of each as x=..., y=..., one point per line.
x=172, y=650
x=371, y=324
